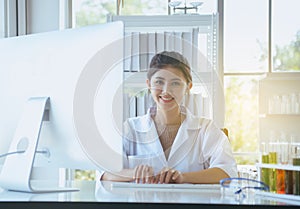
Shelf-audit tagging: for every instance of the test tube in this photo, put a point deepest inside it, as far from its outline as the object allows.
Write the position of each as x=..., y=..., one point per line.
x=297, y=104
x=289, y=173
x=283, y=148
x=294, y=101
x=277, y=104
x=283, y=152
x=264, y=159
x=288, y=186
x=285, y=104
x=271, y=105
x=296, y=177
x=295, y=146
x=273, y=146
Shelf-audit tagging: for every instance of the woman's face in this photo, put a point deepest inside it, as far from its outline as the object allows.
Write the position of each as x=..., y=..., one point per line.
x=168, y=87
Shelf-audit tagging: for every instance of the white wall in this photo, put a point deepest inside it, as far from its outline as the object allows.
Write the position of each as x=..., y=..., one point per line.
x=42, y=15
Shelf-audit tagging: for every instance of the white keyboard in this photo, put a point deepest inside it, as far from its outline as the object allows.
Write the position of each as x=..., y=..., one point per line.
x=166, y=186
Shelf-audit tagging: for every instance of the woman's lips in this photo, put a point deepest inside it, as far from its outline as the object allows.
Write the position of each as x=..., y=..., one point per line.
x=166, y=99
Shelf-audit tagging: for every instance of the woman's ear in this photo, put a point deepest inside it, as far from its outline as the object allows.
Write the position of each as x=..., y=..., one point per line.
x=148, y=83
x=190, y=85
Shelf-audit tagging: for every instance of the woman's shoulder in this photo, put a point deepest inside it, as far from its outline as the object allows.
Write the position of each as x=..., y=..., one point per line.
x=198, y=120
x=138, y=119
x=140, y=123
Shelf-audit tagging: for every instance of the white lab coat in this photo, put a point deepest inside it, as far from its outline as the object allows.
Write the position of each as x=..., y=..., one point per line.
x=198, y=145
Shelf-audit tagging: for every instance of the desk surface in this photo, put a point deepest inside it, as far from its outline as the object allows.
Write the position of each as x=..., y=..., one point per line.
x=103, y=192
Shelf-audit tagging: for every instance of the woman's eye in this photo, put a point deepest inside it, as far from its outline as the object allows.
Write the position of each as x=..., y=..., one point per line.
x=158, y=82
x=176, y=83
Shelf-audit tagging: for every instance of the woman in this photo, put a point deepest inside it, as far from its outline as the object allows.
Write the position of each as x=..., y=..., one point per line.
x=169, y=144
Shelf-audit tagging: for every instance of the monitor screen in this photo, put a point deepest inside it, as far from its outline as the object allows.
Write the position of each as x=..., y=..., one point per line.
x=73, y=69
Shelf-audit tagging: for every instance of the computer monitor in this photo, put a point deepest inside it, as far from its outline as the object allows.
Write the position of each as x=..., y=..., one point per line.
x=61, y=95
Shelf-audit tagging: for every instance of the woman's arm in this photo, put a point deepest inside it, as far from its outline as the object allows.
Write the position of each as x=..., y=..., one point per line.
x=126, y=175
x=207, y=176
x=140, y=174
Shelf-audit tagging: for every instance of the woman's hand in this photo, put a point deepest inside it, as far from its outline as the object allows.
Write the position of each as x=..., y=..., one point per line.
x=169, y=175
x=143, y=174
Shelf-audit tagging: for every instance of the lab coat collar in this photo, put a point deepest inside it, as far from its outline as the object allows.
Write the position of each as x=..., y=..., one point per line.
x=184, y=140
x=192, y=121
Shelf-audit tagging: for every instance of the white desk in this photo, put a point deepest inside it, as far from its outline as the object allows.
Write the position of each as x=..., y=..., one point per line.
x=102, y=193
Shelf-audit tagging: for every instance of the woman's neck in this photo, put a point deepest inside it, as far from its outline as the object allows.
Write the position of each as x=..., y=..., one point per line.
x=169, y=117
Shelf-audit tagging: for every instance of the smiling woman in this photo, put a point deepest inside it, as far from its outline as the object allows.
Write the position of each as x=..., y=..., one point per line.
x=169, y=144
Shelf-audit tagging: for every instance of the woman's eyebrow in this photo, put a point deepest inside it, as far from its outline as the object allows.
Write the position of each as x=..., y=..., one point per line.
x=176, y=79
x=162, y=78
x=173, y=79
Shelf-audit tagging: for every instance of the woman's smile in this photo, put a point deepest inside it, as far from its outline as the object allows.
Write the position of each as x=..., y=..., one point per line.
x=166, y=99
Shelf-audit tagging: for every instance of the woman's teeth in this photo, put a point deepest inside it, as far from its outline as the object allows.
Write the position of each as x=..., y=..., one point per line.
x=166, y=98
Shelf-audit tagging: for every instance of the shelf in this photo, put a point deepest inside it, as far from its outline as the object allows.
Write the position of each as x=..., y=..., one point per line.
x=278, y=166
x=290, y=197
x=278, y=115
x=282, y=76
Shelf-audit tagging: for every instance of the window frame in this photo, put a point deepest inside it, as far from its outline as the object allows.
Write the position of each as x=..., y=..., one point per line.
x=249, y=74
x=241, y=73
x=2, y=18
x=13, y=21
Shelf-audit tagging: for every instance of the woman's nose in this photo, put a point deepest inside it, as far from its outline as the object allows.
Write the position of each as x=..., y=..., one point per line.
x=166, y=88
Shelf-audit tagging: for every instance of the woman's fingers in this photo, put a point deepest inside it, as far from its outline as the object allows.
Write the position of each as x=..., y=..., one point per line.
x=143, y=174
x=163, y=174
x=168, y=175
x=136, y=174
x=177, y=177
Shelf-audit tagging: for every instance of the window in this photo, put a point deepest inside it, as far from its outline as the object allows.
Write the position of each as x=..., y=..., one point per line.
x=245, y=60
x=245, y=36
x=286, y=35
x=241, y=98
x=87, y=12
x=144, y=7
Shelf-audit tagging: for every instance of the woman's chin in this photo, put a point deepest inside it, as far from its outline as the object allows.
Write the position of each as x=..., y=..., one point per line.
x=168, y=106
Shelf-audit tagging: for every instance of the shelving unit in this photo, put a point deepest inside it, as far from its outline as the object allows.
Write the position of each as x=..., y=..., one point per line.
x=278, y=84
x=194, y=36
x=278, y=166
x=279, y=117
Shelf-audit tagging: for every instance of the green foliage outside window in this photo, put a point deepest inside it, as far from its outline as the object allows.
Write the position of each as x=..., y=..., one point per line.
x=288, y=57
x=241, y=110
x=96, y=11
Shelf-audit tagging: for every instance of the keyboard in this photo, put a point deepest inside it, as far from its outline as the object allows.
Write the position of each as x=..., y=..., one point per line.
x=181, y=187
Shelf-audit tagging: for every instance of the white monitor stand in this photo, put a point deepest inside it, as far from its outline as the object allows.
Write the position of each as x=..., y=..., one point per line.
x=25, y=142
